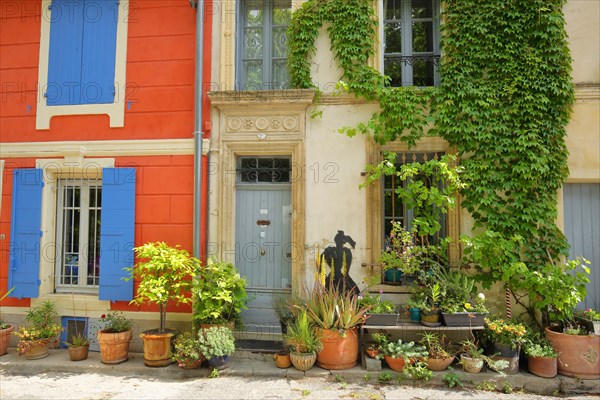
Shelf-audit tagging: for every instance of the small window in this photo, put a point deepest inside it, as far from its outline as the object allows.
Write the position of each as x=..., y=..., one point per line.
x=263, y=170
x=411, y=33
x=393, y=208
x=78, y=216
x=262, y=44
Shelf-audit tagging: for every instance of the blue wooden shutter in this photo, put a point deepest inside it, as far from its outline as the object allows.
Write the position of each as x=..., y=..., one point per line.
x=99, y=51
x=81, y=63
x=116, y=233
x=25, y=232
x=64, y=59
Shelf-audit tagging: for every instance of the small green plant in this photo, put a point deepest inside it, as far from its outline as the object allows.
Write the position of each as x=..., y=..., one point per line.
x=115, y=322
x=452, y=379
x=487, y=385
x=340, y=379
x=385, y=377
x=78, y=339
x=305, y=392
x=418, y=371
x=214, y=373
x=436, y=345
x=507, y=387
x=588, y=313
x=376, y=304
x=217, y=341
x=536, y=345
x=186, y=349
x=367, y=377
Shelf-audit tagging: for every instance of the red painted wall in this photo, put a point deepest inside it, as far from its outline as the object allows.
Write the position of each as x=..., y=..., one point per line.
x=160, y=105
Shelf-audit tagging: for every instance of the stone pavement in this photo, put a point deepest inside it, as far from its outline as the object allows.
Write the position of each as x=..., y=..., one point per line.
x=246, y=364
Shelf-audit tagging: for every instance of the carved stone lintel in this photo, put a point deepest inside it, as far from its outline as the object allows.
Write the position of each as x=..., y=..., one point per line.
x=264, y=123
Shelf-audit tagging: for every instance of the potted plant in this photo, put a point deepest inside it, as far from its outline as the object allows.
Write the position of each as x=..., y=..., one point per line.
x=216, y=344
x=400, y=255
x=398, y=354
x=337, y=316
x=303, y=341
x=541, y=356
x=114, y=339
x=590, y=319
x=79, y=347
x=427, y=300
x=38, y=331
x=458, y=306
x=282, y=359
x=439, y=356
x=504, y=339
x=186, y=351
x=381, y=312
x=164, y=275
x=5, y=328
x=219, y=293
x=472, y=358
x=380, y=340
x=415, y=303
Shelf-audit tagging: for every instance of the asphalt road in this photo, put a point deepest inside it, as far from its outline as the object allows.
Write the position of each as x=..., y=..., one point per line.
x=92, y=386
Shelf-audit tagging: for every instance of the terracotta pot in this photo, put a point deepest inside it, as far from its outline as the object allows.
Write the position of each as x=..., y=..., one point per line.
x=37, y=350
x=397, y=364
x=157, y=348
x=472, y=365
x=371, y=352
x=189, y=364
x=339, y=352
x=282, y=359
x=78, y=353
x=114, y=346
x=439, y=364
x=578, y=356
x=303, y=361
x=4, y=339
x=546, y=367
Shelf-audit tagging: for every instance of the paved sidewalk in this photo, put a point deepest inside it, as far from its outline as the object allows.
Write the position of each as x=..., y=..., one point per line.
x=246, y=364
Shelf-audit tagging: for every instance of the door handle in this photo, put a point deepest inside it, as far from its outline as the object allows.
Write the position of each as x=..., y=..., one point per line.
x=262, y=252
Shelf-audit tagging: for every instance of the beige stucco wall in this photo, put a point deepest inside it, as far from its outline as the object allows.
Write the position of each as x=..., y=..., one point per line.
x=583, y=28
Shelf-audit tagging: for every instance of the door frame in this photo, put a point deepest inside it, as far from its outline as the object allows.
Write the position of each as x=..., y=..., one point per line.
x=226, y=230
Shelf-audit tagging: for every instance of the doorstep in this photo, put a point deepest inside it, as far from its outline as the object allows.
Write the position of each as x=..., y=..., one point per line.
x=247, y=364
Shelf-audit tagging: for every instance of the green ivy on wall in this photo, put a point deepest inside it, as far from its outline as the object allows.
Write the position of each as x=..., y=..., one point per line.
x=504, y=102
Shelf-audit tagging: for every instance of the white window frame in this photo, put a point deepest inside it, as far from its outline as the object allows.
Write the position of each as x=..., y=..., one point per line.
x=116, y=110
x=84, y=185
x=406, y=18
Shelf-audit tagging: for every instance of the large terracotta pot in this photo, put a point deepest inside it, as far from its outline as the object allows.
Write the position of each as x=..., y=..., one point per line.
x=114, y=346
x=439, y=364
x=37, y=350
x=303, y=361
x=78, y=353
x=157, y=348
x=546, y=367
x=578, y=356
x=397, y=364
x=339, y=351
x=4, y=339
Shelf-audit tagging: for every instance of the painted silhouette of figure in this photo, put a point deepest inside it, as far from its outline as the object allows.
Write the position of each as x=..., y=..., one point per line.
x=334, y=256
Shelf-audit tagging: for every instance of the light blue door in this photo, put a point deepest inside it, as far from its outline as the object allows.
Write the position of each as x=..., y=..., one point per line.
x=263, y=238
x=582, y=228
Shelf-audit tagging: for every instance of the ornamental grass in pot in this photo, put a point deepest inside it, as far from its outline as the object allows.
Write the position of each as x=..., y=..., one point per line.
x=163, y=274
x=303, y=342
x=79, y=347
x=440, y=353
x=38, y=331
x=337, y=315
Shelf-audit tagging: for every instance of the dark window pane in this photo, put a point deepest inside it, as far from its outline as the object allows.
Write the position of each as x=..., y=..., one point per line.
x=393, y=68
x=393, y=37
x=422, y=8
x=422, y=37
x=423, y=73
x=392, y=9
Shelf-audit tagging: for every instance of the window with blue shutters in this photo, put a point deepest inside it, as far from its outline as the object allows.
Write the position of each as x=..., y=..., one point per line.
x=82, y=52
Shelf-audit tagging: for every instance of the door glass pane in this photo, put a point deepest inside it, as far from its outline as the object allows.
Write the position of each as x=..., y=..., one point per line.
x=253, y=43
x=280, y=75
x=392, y=9
x=279, y=42
x=422, y=8
x=282, y=12
x=253, y=13
x=422, y=37
x=254, y=75
x=393, y=37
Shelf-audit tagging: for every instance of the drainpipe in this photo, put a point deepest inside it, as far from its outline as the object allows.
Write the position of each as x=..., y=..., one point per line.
x=199, y=4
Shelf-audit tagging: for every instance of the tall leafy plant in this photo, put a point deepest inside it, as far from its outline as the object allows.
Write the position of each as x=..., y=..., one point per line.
x=165, y=274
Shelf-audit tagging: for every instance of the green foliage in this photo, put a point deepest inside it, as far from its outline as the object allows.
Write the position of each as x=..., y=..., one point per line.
x=487, y=385
x=376, y=304
x=115, y=321
x=405, y=350
x=78, y=339
x=39, y=326
x=418, y=371
x=508, y=333
x=214, y=373
x=219, y=293
x=216, y=341
x=452, y=379
x=436, y=345
x=385, y=377
x=301, y=336
x=164, y=275
x=330, y=308
x=186, y=349
x=591, y=314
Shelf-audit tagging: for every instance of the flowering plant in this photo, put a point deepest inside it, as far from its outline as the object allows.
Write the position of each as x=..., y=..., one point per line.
x=187, y=349
x=590, y=314
x=504, y=332
x=400, y=252
x=115, y=322
x=39, y=326
x=478, y=304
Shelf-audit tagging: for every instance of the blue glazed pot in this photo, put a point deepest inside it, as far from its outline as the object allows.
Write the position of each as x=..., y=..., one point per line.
x=392, y=276
x=218, y=362
x=415, y=314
